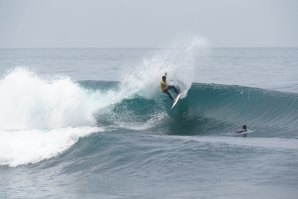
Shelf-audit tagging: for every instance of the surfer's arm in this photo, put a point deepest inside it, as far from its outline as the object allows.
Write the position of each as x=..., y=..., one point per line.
x=240, y=131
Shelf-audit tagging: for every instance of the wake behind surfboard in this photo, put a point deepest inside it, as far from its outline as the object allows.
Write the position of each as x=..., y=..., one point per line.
x=176, y=100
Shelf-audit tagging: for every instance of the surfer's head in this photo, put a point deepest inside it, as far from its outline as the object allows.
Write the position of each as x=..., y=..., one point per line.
x=164, y=78
x=244, y=127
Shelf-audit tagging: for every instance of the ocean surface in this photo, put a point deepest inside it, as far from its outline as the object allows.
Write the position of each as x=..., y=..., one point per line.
x=92, y=123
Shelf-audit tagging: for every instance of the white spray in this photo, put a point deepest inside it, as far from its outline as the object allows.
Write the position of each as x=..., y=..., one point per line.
x=178, y=61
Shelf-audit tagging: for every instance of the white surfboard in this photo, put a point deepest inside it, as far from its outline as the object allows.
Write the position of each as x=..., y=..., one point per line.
x=244, y=133
x=176, y=100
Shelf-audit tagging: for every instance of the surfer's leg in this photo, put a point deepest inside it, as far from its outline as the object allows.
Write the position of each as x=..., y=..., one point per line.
x=169, y=94
x=174, y=88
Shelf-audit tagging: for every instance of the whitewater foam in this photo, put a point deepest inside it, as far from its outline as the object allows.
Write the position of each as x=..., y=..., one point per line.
x=41, y=118
x=28, y=102
x=32, y=146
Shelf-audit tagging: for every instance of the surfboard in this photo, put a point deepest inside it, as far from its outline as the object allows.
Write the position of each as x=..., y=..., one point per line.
x=176, y=100
x=244, y=133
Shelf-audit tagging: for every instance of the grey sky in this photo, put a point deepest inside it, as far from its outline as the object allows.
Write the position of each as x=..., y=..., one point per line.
x=147, y=23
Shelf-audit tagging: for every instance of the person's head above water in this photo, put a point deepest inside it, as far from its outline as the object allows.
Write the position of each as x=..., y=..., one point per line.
x=164, y=78
x=244, y=127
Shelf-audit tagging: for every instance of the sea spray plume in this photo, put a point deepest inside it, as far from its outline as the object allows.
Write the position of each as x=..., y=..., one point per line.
x=177, y=60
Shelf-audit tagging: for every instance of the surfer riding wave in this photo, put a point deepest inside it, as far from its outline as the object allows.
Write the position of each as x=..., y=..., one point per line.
x=165, y=87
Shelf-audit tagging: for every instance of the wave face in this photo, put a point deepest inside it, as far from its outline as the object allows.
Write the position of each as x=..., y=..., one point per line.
x=221, y=108
x=209, y=109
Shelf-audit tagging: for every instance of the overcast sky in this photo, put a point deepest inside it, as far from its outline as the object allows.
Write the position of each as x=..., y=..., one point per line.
x=147, y=23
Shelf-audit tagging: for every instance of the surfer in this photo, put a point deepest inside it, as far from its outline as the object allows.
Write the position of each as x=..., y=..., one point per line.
x=243, y=130
x=165, y=87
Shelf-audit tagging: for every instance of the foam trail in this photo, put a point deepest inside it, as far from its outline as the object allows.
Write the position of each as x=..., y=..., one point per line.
x=178, y=61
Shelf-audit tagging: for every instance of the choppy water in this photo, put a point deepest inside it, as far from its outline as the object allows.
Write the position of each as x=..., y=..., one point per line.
x=92, y=123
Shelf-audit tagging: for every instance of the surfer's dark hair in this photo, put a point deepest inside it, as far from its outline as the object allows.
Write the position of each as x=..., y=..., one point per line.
x=163, y=77
x=244, y=126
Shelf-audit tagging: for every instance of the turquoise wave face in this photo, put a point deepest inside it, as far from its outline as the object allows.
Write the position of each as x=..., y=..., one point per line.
x=207, y=109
